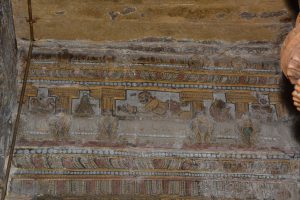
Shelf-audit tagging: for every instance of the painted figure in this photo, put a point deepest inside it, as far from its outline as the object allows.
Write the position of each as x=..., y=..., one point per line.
x=85, y=107
x=219, y=111
x=202, y=128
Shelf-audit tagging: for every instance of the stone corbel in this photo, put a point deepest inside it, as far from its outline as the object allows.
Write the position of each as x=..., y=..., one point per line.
x=290, y=60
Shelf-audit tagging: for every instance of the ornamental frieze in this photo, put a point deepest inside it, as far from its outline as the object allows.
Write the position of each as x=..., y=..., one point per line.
x=157, y=188
x=246, y=163
x=240, y=56
x=98, y=115
x=100, y=74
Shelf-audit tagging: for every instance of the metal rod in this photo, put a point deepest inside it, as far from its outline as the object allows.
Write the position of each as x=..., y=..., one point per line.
x=30, y=20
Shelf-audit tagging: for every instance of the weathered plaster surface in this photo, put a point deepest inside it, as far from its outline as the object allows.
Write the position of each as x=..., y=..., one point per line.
x=124, y=20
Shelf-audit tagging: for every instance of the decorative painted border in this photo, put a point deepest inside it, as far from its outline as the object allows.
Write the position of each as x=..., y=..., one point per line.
x=132, y=173
x=159, y=188
x=164, y=154
x=150, y=84
x=99, y=64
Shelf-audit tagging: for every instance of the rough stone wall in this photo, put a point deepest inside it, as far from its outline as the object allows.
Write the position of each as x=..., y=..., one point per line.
x=8, y=59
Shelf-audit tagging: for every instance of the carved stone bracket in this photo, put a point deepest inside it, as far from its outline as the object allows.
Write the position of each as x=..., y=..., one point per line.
x=290, y=61
x=290, y=54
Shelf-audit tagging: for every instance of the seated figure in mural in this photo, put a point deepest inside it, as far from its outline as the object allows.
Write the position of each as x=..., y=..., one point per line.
x=290, y=61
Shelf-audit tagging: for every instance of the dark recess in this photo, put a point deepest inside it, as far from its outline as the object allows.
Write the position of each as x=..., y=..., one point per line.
x=286, y=95
x=293, y=6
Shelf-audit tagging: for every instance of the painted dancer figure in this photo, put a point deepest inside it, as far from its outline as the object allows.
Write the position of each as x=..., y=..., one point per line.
x=290, y=61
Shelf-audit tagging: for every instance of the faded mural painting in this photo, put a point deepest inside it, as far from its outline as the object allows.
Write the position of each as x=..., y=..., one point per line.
x=185, y=139
x=155, y=118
